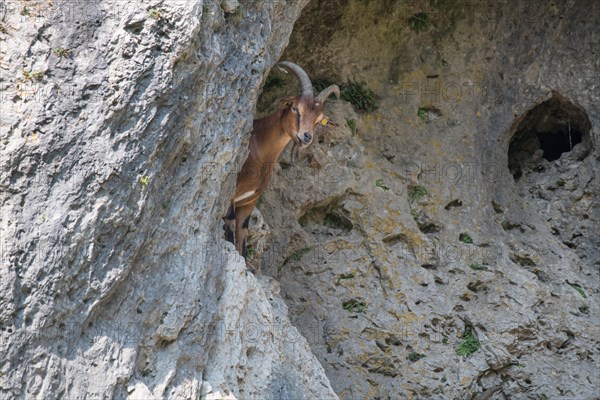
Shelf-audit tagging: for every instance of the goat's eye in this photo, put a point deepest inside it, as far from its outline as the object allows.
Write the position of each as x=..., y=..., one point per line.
x=295, y=109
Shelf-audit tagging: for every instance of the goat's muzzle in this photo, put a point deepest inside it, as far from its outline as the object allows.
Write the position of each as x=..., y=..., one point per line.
x=305, y=139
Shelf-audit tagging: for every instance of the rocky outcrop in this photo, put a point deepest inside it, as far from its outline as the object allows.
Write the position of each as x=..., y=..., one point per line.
x=435, y=248
x=444, y=245
x=122, y=127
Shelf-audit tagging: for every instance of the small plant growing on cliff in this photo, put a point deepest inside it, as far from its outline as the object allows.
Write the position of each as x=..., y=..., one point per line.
x=419, y=22
x=579, y=289
x=3, y=29
x=144, y=180
x=62, y=52
x=469, y=343
x=344, y=277
x=238, y=13
x=354, y=306
x=478, y=267
x=38, y=75
x=163, y=316
x=297, y=255
x=414, y=356
x=428, y=113
x=360, y=96
x=379, y=183
x=250, y=251
x=154, y=13
x=25, y=12
x=320, y=84
x=416, y=193
x=29, y=76
x=351, y=124
x=273, y=81
x=26, y=75
x=261, y=199
x=465, y=238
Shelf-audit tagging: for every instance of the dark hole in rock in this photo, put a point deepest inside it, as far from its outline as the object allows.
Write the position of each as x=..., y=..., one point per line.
x=510, y=225
x=428, y=227
x=250, y=352
x=541, y=275
x=453, y=204
x=497, y=207
x=326, y=217
x=475, y=286
x=426, y=224
x=561, y=141
x=395, y=239
x=546, y=132
x=522, y=260
x=393, y=340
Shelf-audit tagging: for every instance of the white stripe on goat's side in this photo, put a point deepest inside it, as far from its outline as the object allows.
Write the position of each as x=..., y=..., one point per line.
x=244, y=196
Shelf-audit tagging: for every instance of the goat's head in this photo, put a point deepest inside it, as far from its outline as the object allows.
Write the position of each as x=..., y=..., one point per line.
x=302, y=113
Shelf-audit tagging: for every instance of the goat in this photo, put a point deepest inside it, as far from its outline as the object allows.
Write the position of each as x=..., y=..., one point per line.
x=296, y=122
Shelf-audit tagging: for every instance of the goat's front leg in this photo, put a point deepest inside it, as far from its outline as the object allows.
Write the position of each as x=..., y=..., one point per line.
x=242, y=221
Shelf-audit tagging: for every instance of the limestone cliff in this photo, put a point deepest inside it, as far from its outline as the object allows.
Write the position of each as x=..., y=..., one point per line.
x=446, y=245
x=443, y=244
x=122, y=127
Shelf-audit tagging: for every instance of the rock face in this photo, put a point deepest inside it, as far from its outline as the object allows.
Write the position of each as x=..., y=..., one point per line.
x=122, y=128
x=449, y=248
x=444, y=245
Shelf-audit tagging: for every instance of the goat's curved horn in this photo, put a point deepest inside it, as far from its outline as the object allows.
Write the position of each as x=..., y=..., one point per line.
x=307, y=89
x=327, y=91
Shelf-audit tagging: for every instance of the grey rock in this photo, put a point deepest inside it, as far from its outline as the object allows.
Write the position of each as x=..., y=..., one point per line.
x=528, y=283
x=122, y=127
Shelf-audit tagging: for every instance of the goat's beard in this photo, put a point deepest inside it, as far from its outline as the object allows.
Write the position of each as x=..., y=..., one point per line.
x=295, y=149
x=298, y=144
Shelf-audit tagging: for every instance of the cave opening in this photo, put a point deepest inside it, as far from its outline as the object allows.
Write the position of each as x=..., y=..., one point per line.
x=554, y=144
x=546, y=132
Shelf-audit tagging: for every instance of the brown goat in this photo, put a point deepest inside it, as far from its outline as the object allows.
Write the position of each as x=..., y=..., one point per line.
x=296, y=122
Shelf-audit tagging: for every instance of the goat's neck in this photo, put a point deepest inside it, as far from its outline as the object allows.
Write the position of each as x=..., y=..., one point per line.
x=269, y=143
